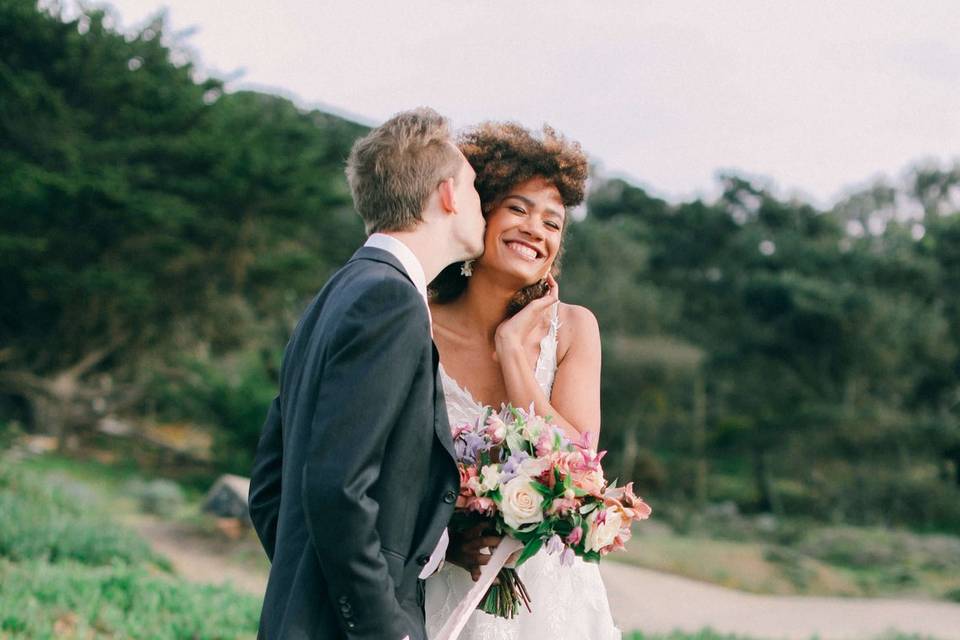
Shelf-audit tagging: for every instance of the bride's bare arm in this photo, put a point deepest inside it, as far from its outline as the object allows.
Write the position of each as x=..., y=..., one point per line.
x=575, y=401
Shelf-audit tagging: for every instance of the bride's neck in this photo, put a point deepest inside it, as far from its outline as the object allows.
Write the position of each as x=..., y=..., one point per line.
x=483, y=304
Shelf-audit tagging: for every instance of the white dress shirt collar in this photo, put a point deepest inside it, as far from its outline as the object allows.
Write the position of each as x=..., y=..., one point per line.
x=409, y=261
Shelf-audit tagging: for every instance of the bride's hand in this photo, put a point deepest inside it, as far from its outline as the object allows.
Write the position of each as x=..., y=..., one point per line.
x=471, y=549
x=513, y=332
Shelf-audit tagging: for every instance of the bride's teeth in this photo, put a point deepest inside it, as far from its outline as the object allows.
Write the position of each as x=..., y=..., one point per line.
x=524, y=250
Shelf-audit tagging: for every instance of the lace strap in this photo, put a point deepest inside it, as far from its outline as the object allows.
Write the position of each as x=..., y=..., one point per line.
x=547, y=361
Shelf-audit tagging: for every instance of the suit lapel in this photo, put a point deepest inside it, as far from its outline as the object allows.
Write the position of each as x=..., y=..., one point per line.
x=441, y=423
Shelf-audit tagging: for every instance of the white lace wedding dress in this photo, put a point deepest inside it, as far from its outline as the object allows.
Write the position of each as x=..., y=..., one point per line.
x=569, y=603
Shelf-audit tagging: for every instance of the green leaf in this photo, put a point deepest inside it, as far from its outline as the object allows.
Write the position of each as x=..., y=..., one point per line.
x=541, y=488
x=530, y=550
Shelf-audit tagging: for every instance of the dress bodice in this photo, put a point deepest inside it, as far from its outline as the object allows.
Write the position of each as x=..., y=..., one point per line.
x=463, y=408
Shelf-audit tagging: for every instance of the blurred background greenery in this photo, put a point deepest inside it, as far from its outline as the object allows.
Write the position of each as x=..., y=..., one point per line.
x=779, y=380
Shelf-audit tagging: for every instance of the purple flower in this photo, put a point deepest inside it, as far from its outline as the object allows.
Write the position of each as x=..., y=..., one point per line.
x=474, y=444
x=554, y=544
x=566, y=558
x=512, y=466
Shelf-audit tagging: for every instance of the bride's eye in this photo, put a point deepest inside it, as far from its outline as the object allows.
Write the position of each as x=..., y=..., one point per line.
x=554, y=226
x=517, y=209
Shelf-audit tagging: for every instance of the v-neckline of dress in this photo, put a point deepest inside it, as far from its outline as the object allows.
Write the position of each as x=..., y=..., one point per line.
x=467, y=395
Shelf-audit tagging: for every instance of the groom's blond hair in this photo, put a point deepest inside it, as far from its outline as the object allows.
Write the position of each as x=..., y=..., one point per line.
x=393, y=170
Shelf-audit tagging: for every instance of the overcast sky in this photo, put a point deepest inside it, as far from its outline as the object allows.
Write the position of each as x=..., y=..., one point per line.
x=815, y=95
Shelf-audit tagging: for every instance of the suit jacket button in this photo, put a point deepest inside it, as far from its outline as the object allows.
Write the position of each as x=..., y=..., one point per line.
x=343, y=599
x=449, y=497
x=351, y=624
x=423, y=560
x=345, y=609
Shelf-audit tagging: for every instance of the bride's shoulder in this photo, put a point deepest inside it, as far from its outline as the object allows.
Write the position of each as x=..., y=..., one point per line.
x=578, y=326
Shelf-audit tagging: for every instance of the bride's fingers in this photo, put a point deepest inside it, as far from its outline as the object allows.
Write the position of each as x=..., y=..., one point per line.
x=486, y=542
x=552, y=282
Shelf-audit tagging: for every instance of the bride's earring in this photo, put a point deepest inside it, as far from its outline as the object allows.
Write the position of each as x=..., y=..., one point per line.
x=466, y=269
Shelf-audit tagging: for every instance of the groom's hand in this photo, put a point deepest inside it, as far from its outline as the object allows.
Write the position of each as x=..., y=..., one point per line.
x=471, y=549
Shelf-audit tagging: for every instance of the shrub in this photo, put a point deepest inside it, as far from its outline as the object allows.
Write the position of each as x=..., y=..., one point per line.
x=45, y=518
x=38, y=599
x=159, y=497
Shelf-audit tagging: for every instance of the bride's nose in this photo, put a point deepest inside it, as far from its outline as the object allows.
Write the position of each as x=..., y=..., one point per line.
x=531, y=228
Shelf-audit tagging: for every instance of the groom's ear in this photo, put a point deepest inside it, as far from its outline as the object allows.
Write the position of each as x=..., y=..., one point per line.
x=448, y=199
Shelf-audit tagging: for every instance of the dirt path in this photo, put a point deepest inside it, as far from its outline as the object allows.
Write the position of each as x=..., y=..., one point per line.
x=657, y=603
x=640, y=599
x=196, y=557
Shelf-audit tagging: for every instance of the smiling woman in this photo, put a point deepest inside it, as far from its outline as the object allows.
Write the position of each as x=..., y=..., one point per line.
x=505, y=337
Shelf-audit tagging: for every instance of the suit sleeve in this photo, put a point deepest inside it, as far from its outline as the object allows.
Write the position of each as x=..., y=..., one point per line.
x=367, y=375
x=264, y=496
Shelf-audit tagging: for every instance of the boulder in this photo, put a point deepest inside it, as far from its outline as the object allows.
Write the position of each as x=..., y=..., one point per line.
x=227, y=498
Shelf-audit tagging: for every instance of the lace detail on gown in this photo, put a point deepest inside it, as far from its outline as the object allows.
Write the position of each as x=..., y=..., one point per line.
x=569, y=603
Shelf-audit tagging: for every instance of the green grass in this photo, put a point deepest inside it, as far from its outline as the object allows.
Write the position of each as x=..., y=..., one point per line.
x=68, y=570
x=57, y=520
x=803, y=558
x=39, y=599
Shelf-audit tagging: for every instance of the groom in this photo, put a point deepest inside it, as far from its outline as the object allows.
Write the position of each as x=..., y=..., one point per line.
x=354, y=479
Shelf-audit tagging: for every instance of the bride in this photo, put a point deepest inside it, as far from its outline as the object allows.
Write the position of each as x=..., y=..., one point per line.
x=504, y=337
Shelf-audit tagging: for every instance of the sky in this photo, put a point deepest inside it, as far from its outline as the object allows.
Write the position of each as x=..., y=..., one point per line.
x=814, y=97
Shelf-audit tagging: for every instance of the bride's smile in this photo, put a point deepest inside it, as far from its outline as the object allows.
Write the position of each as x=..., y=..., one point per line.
x=526, y=227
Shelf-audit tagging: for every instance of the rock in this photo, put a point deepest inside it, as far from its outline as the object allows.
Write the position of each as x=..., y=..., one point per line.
x=228, y=498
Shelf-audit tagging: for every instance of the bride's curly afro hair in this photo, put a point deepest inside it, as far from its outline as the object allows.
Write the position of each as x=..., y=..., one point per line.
x=505, y=154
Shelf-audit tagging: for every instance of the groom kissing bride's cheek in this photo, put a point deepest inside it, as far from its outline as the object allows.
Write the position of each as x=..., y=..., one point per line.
x=355, y=479
x=357, y=474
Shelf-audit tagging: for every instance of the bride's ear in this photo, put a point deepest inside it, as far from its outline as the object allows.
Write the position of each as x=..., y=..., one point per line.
x=448, y=198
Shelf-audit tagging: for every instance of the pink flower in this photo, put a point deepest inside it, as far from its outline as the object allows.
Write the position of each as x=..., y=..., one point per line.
x=590, y=481
x=575, y=536
x=467, y=480
x=626, y=503
x=496, y=429
x=484, y=506
x=562, y=506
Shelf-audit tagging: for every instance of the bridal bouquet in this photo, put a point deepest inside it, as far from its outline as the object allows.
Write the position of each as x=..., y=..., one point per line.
x=519, y=473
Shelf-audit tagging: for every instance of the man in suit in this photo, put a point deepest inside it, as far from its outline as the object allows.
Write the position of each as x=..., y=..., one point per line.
x=355, y=478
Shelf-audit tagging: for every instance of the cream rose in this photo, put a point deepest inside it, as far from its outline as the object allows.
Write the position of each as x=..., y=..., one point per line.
x=602, y=534
x=521, y=504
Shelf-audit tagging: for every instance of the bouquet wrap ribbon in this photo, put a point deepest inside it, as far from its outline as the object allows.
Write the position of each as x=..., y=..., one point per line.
x=488, y=573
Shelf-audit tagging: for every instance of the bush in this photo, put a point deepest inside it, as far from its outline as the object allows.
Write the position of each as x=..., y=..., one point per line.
x=38, y=599
x=159, y=497
x=233, y=395
x=57, y=521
